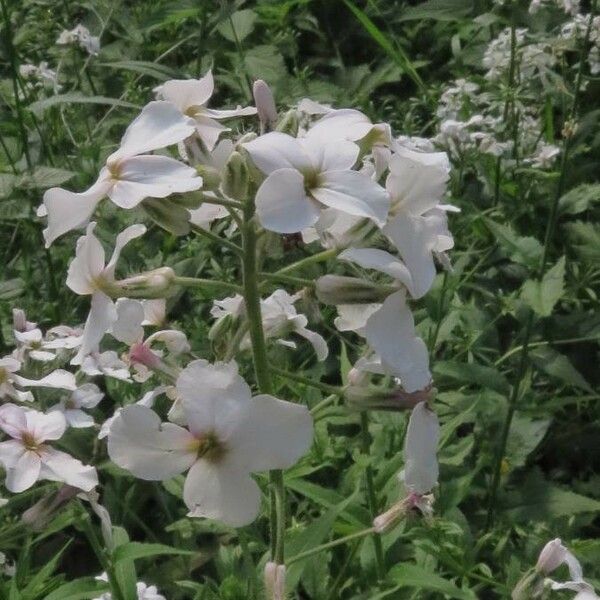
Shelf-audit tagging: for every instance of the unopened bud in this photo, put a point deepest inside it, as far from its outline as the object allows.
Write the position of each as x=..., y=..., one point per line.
x=553, y=555
x=530, y=586
x=20, y=322
x=390, y=518
x=265, y=105
x=220, y=327
x=211, y=177
x=274, y=581
x=235, y=177
x=336, y=289
x=168, y=214
x=289, y=123
x=158, y=283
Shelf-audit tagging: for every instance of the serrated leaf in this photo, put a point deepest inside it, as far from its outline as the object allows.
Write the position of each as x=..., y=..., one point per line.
x=579, y=199
x=525, y=251
x=543, y=295
x=558, y=365
x=240, y=26
x=77, y=98
x=473, y=373
x=409, y=575
x=135, y=550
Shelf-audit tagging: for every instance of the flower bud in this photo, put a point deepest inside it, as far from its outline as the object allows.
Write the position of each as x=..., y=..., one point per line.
x=168, y=215
x=220, y=327
x=20, y=322
x=336, y=289
x=211, y=177
x=235, y=177
x=265, y=105
x=390, y=518
x=289, y=123
x=529, y=586
x=553, y=555
x=274, y=581
x=158, y=283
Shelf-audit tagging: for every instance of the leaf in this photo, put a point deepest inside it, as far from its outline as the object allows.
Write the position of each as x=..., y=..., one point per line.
x=525, y=251
x=79, y=589
x=473, y=373
x=542, y=295
x=264, y=62
x=524, y=437
x=45, y=177
x=125, y=573
x=579, y=199
x=539, y=500
x=77, y=98
x=7, y=184
x=151, y=69
x=559, y=366
x=410, y=575
x=395, y=52
x=438, y=10
x=243, y=25
x=135, y=550
x=585, y=238
x=11, y=289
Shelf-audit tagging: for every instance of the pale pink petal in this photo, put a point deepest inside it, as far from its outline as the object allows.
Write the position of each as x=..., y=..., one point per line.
x=282, y=204
x=12, y=420
x=60, y=466
x=10, y=453
x=43, y=427
x=220, y=490
x=25, y=472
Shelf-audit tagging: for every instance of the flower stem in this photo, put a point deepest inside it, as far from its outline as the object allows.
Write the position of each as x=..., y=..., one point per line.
x=208, y=284
x=309, y=260
x=261, y=369
x=371, y=496
x=324, y=387
x=215, y=238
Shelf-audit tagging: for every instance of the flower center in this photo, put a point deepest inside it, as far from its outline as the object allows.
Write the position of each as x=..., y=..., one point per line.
x=209, y=447
x=114, y=168
x=70, y=404
x=29, y=441
x=311, y=180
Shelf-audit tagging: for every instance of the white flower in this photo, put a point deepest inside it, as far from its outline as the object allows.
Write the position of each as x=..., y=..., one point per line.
x=130, y=174
x=87, y=395
x=58, y=379
x=144, y=591
x=31, y=343
x=191, y=97
x=545, y=156
x=229, y=435
x=27, y=457
x=305, y=174
x=105, y=363
x=89, y=274
x=80, y=35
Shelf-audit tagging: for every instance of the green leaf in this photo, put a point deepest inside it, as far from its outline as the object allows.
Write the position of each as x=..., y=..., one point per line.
x=135, y=550
x=11, y=288
x=7, y=184
x=151, y=69
x=409, y=575
x=125, y=573
x=243, y=25
x=265, y=62
x=579, y=199
x=525, y=251
x=77, y=98
x=45, y=177
x=542, y=295
x=473, y=373
x=524, y=437
x=438, y=10
x=539, y=500
x=80, y=589
x=585, y=238
x=559, y=366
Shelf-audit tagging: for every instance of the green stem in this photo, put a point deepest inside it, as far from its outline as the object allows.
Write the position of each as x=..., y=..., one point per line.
x=324, y=387
x=261, y=369
x=215, y=238
x=296, y=281
x=309, y=260
x=332, y=544
x=371, y=496
x=208, y=284
x=516, y=390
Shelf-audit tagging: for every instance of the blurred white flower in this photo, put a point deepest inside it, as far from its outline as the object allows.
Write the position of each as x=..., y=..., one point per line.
x=144, y=591
x=306, y=173
x=27, y=457
x=229, y=435
x=40, y=74
x=130, y=174
x=87, y=395
x=80, y=35
x=191, y=97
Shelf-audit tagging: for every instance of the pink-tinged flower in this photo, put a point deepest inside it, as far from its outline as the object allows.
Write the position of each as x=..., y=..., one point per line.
x=89, y=274
x=130, y=174
x=27, y=457
x=86, y=396
x=305, y=174
x=10, y=381
x=228, y=435
x=191, y=97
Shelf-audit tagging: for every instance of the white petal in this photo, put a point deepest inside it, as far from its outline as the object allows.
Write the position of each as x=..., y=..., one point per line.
x=353, y=193
x=344, y=124
x=127, y=235
x=221, y=491
x=78, y=419
x=353, y=317
x=209, y=130
x=373, y=258
x=417, y=376
x=128, y=326
x=274, y=435
x=215, y=398
x=43, y=427
x=68, y=210
x=330, y=156
x=152, y=176
x=155, y=312
x=88, y=263
x=277, y=150
x=25, y=472
x=240, y=111
x=160, y=124
x=59, y=379
x=151, y=450
x=205, y=214
x=187, y=93
x=100, y=320
x=317, y=341
x=12, y=420
x=282, y=204
x=10, y=453
x=42, y=356
x=60, y=466
x=421, y=469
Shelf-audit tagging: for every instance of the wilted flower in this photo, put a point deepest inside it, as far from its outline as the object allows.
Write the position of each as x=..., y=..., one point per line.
x=229, y=435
